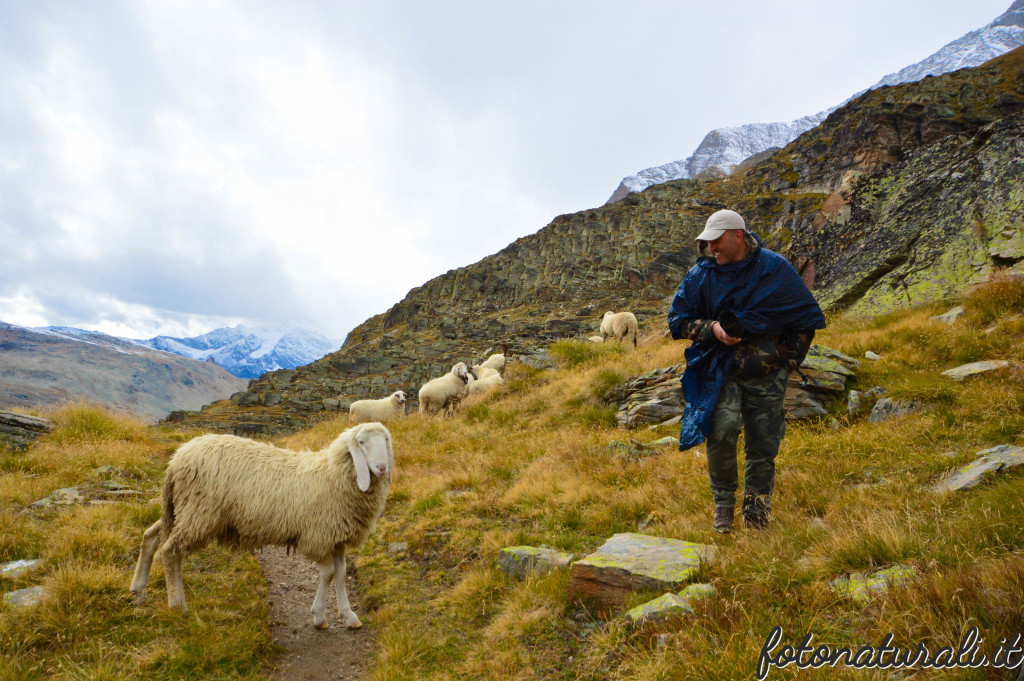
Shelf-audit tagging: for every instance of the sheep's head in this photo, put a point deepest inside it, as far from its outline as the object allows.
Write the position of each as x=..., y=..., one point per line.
x=608, y=314
x=372, y=452
x=461, y=371
x=398, y=396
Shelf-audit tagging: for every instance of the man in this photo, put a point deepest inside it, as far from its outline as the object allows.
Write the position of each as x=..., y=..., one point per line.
x=751, y=319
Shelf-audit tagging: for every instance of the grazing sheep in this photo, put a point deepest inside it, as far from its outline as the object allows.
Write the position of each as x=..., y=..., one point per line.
x=596, y=339
x=383, y=409
x=619, y=326
x=248, y=494
x=489, y=379
x=445, y=392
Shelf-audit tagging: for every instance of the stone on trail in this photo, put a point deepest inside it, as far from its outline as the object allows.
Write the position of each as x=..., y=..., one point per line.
x=664, y=441
x=862, y=586
x=951, y=316
x=963, y=371
x=872, y=356
x=631, y=562
x=522, y=561
x=989, y=461
x=23, y=598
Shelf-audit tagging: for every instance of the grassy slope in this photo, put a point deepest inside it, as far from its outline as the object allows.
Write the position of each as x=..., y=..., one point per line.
x=528, y=465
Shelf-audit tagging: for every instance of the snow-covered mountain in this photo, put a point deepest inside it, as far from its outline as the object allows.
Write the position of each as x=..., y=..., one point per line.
x=250, y=352
x=725, y=148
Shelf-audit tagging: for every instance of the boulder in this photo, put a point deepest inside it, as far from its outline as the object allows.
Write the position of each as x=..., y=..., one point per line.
x=649, y=398
x=631, y=562
x=989, y=462
x=963, y=371
x=523, y=561
x=862, y=586
x=874, y=357
x=853, y=402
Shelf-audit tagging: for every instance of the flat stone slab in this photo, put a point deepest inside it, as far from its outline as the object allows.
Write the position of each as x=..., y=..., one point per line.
x=19, y=568
x=523, y=561
x=861, y=586
x=666, y=441
x=842, y=358
x=631, y=562
x=989, y=462
x=23, y=598
x=974, y=368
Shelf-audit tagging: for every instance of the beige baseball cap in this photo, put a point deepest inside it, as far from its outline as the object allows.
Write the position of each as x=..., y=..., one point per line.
x=721, y=222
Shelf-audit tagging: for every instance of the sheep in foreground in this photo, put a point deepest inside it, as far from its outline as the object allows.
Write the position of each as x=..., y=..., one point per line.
x=383, y=409
x=444, y=392
x=248, y=494
x=620, y=326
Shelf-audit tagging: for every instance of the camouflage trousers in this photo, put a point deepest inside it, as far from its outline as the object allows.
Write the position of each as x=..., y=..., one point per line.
x=756, y=405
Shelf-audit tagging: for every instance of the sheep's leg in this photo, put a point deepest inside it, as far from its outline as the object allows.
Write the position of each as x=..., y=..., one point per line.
x=326, y=572
x=172, y=573
x=150, y=542
x=344, y=609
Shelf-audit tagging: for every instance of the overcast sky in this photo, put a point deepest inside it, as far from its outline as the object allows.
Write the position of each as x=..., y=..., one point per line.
x=171, y=167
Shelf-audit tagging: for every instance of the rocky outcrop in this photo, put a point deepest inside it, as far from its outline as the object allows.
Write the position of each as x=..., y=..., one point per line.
x=18, y=431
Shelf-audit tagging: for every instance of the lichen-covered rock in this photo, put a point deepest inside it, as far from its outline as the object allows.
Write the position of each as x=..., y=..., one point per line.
x=631, y=562
x=19, y=568
x=24, y=598
x=888, y=408
x=989, y=462
x=974, y=368
x=523, y=561
x=861, y=586
x=853, y=402
x=663, y=607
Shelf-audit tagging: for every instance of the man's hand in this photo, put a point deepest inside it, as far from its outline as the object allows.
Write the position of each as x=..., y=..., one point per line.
x=722, y=336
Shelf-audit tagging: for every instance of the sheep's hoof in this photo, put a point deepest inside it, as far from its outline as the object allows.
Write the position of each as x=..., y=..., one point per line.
x=320, y=625
x=140, y=597
x=351, y=621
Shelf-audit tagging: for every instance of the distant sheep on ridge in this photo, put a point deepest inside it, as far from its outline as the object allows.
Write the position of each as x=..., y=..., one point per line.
x=619, y=326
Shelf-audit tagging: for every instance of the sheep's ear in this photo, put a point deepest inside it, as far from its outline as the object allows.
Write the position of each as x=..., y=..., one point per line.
x=359, y=463
x=391, y=457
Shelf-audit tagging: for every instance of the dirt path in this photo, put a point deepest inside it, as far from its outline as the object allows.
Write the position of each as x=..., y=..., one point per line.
x=332, y=653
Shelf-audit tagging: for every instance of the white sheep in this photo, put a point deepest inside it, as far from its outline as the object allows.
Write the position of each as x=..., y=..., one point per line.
x=444, y=392
x=249, y=494
x=495, y=361
x=383, y=409
x=487, y=380
x=596, y=339
x=619, y=326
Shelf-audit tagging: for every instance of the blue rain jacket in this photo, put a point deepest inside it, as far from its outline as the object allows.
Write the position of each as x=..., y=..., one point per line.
x=767, y=295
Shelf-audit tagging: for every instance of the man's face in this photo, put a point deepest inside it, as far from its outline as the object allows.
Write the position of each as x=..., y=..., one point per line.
x=729, y=247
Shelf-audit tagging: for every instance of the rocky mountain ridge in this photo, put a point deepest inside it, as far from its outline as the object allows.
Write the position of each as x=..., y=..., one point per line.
x=724, y=149
x=906, y=194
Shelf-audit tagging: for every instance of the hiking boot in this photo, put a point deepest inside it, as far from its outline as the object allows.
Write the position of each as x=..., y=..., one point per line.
x=723, y=519
x=756, y=521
